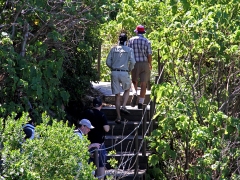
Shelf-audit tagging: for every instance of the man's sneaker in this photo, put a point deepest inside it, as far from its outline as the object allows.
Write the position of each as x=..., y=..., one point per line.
x=134, y=100
x=124, y=110
x=140, y=105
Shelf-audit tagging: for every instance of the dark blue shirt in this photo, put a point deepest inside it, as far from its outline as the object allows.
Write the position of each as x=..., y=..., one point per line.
x=98, y=120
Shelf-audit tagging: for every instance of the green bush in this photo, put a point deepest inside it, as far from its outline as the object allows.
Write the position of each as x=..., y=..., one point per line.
x=48, y=54
x=194, y=140
x=54, y=153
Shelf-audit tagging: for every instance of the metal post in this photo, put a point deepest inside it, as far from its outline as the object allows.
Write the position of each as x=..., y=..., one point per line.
x=144, y=129
x=96, y=159
x=152, y=106
x=136, y=152
x=158, y=60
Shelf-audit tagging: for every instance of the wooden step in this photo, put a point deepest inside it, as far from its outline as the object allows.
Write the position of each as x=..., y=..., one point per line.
x=126, y=174
x=114, y=138
x=121, y=143
x=126, y=127
x=135, y=113
x=110, y=99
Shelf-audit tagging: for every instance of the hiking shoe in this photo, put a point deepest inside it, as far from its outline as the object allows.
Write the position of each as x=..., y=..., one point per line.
x=134, y=100
x=140, y=105
x=124, y=110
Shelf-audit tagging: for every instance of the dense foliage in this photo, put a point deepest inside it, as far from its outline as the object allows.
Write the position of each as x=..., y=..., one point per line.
x=47, y=56
x=194, y=140
x=197, y=110
x=54, y=153
x=48, y=51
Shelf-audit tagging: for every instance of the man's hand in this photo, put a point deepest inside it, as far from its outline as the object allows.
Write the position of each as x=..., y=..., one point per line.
x=150, y=66
x=150, y=61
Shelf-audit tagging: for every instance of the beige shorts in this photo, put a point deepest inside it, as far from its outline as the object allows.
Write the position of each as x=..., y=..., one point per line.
x=141, y=70
x=119, y=78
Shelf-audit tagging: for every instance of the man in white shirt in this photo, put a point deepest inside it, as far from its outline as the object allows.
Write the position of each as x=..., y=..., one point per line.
x=121, y=62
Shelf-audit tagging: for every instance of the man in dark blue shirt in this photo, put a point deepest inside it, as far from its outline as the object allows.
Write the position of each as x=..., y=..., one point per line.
x=97, y=135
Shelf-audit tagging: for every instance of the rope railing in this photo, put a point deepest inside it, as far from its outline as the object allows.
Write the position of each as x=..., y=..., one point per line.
x=149, y=128
x=137, y=149
x=144, y=112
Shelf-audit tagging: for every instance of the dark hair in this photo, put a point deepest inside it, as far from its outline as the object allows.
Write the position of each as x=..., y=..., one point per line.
x=97, y=102
x=31, y=122
x=122, y=38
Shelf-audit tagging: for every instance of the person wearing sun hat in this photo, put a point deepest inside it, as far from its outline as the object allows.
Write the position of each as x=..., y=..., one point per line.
x=85, y=123
x=84, y=127
x=143, y=55
x=97, y=135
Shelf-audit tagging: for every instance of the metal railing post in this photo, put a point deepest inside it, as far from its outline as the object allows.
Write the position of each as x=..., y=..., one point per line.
x=96, y=159
x=152, y=106
x=136, y=152
x=144, y=125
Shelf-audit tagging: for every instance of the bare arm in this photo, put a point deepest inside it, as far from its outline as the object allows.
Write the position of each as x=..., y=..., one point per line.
x=109, y=60
x=132, y=61
x=150, y=61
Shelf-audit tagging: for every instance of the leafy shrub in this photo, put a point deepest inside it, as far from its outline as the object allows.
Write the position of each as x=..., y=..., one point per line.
x=193, y=139
x=47, y=53
x=54, y=153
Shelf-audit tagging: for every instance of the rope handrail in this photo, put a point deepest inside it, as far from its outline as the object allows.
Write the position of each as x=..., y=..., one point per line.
x=127, y=135
x=135, y=154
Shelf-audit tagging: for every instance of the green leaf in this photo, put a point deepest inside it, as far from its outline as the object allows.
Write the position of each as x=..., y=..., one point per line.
x=39, y=91
x=153, y=160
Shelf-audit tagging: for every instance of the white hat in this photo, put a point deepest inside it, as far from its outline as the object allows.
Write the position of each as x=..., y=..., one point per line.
x=87, y=123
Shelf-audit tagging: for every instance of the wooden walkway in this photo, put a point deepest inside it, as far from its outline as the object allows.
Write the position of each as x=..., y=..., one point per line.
x=124, y=137
x=105, y=88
